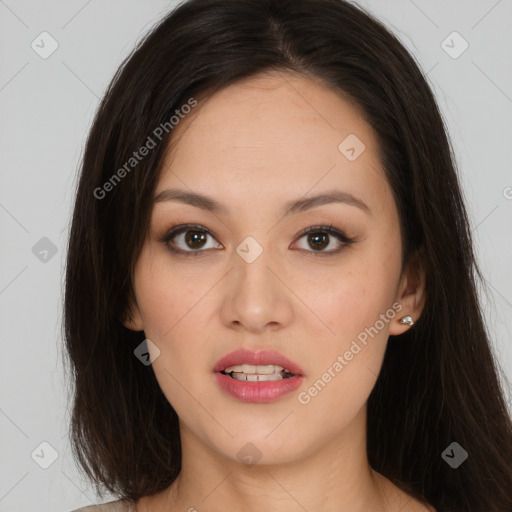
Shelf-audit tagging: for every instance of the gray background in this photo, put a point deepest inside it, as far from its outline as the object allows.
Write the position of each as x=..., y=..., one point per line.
x=46, y=109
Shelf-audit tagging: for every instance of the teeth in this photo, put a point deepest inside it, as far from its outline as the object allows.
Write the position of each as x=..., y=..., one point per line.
x=253, y=369
x=250, y=377
x=255, y=373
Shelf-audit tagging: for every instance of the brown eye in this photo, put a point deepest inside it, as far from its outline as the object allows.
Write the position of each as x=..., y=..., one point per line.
x=320, y=237
x=192, y=240
x=189, y=240
x=318, y=240
x=195, y=239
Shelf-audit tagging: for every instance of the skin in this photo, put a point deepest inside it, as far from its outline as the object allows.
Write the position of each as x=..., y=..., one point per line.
x=254, y=146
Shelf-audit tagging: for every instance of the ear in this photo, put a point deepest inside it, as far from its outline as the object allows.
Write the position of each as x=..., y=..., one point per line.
x=411, y=292
x=133, y=319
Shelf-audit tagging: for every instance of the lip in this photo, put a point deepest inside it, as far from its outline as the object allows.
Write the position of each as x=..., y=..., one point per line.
x=258, y=392
x=262, y=357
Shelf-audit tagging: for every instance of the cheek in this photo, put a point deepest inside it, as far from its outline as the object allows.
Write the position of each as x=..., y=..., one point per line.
x=172, y=313
x=353, y=299
x=176, y=308
x=359, y=317
x=358, y=309
x=345, y=365
x=166, y=297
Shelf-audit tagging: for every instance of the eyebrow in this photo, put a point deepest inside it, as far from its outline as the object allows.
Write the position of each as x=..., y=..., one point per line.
x=300, y=205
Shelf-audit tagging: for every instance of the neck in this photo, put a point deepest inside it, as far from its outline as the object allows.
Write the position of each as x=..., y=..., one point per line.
x=331, y=476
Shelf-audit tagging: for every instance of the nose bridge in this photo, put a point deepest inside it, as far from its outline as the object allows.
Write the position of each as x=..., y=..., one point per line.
x=252, y=262
x=256, y=297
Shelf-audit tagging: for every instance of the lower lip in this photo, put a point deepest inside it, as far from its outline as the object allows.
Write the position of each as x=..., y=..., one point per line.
x=258, y=392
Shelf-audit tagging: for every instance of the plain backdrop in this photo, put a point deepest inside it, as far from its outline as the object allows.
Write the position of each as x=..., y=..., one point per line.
x=46, y=107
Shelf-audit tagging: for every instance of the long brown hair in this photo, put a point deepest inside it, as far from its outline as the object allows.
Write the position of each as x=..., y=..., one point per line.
x=439, y=382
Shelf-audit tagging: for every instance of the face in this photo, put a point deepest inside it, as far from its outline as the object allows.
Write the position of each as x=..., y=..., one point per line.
x=248, y=276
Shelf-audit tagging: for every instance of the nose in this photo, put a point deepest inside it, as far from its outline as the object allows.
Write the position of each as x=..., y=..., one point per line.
x=256, y=296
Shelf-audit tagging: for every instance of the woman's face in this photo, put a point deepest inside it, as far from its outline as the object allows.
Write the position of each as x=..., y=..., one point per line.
x=247, y=278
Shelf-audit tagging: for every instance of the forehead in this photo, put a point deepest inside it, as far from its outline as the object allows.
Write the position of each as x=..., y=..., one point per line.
x=275, y=135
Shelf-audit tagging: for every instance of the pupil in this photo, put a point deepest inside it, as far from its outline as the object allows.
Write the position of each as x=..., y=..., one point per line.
x=192, y=240
x=316, y=237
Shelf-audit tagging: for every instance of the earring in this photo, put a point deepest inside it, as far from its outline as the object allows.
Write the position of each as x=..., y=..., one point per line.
x=407, y=320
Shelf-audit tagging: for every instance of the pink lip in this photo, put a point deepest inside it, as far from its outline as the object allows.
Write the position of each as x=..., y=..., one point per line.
x=258, y=392
x=263, y=357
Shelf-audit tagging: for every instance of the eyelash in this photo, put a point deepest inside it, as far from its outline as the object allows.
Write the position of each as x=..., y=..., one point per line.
x=178, y=230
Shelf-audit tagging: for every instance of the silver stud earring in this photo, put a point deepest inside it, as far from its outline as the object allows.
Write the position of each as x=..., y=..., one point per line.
x=407, y=320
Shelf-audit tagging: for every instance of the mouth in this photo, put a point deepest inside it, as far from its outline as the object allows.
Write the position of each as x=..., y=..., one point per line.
x=257, y=373
x=257, y=377
x=264, y=365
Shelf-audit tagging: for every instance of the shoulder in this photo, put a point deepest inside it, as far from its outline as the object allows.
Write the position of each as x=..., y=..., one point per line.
x=111, y=506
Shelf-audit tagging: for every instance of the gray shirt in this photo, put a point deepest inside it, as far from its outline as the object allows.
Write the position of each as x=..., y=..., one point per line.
x=111, y=506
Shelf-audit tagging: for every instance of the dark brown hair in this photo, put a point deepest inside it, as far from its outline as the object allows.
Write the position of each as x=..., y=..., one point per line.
x=439, y=382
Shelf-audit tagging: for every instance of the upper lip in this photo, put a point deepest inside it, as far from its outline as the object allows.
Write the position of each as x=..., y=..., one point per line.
x=262, y=357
